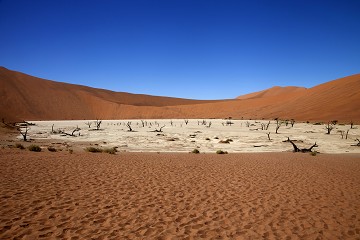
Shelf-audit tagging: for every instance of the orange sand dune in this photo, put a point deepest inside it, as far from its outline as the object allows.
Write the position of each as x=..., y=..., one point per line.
x=178, y=196
x=274, y=91
x=31, y=98
x=27, y=97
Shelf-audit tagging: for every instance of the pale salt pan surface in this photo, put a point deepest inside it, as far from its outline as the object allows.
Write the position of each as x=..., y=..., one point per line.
x=179, y=137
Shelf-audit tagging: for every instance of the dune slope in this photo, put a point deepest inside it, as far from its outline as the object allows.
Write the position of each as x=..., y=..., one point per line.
x=26, y=97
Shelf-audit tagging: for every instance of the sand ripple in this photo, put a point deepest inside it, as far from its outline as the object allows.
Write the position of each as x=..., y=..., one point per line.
x=179, y=196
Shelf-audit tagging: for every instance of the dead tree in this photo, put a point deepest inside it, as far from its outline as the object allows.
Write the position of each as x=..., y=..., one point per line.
x=128, y=124
x=98, y=123
x=265, y=126
x=278, y=124
x=77, y=129
x=229, y=123
x=292, y=122
x=351, y=124
x=286, y=122
x=159, y=130
x=268, y=134
x=209, y=125
x=171, y=122
x=24, y=132
x=247, y=123
x=186, y=121
x=303, y=150
x=143, y=123
x=72, y=134
x=342, y=132
x=329, y=127
x=88, y=124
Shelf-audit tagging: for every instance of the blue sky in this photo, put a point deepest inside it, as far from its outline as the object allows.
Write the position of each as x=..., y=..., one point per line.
x=182, y=48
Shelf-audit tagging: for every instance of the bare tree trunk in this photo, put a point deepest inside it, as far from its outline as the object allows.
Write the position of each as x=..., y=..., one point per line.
x=129, y=126
x=268, y=134
x=24, y=133
x=278, y=124
x=347, y=133
x=292, y=122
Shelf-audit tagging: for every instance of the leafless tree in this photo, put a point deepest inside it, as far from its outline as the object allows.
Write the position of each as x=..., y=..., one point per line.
x=247, y=123
x=98, y=123
x=342, y=132
x=186, y=121
x=209, y=125
x=351, y=124
x=292, y=122
x=329, y=127
x=347, y=133
x=296, y=149
x=24, y=132
x=268, y=134
x=278, y=124
x=128, y=124
x=88, y=124
x=265, y=126
x=159, y=130
x=143, y=123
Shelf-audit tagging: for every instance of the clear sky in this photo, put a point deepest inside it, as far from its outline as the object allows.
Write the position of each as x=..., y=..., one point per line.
x=182, y=48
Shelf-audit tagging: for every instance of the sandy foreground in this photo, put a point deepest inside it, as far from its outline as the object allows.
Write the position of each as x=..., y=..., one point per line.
x=178, y=195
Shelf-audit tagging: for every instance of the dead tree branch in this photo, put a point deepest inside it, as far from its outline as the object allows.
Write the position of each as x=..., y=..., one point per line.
x=72, y=134
x=303, y=150
x=358, y=144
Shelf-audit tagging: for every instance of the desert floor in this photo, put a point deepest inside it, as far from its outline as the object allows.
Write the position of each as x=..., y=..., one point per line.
x=83, y=195
x=177, y=136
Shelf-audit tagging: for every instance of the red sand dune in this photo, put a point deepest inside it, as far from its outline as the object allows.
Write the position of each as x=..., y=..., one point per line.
x=274, y=91
x=31, y=98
